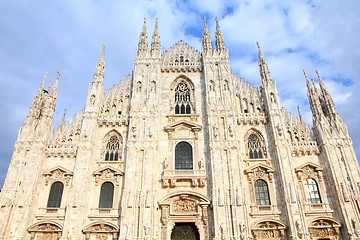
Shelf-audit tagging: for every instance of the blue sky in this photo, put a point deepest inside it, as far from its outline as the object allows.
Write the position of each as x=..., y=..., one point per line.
x=39, y=36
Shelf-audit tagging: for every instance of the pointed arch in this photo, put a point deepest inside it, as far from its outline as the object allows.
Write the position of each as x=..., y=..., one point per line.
x=113, y=144
x=255, y=144
x=183, y=95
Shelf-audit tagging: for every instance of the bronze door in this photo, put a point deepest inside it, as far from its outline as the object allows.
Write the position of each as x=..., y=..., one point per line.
x=185, y=231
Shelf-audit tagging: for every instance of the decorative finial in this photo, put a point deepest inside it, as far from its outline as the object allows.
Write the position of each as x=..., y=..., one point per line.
x=318, y=75
x=299, y=113
x=63, y=117
x=305, y=74
x=45, y=76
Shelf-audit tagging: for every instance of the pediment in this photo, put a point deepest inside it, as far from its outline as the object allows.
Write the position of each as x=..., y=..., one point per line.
x=61, y=171
x=192, y=196
x=182, y=124
x=308, y=165
x=108, y=170
x=259, y=167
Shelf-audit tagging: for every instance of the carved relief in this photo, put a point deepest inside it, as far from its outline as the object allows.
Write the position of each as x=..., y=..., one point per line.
x=107, y=174
x=58, y=174
x=324, y=228
x=184, y=205
x=269, y=230
x=48, y=231
x=101, y=231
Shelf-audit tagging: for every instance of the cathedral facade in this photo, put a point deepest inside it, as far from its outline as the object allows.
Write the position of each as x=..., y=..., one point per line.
x=182, y=149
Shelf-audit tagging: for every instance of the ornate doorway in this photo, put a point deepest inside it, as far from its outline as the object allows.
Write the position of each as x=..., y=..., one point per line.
x=185, y=231
x=184, y=215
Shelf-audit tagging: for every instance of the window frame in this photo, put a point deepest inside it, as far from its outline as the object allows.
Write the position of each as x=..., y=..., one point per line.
x=185, y=162
x=104, y=199
x=262, y=197
x=312, y=191
x=55, y=195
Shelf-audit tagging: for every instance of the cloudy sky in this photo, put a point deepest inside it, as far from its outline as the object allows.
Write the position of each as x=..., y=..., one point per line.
x=47, y=36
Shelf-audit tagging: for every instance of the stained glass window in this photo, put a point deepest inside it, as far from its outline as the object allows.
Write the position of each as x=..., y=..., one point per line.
x=113, y=148
x=254, y=146
x=182, y=99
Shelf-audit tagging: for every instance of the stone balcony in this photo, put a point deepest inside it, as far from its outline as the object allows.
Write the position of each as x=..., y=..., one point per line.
x=104, y=213
x=50, y=213
x=314, y=209
x=272, y=210
x=171, y=178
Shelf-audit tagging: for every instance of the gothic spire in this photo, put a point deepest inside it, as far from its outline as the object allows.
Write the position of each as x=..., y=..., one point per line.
x=219, y=39
x=328, y=101
x=100, y=68
x=264, y=68
x=299, y=113
x=313, y=97
x=206, y=41
x=54, y=92
x=155, y=41
x=143, y=40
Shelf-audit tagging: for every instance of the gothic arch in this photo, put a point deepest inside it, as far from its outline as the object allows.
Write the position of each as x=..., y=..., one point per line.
x=261, y=150
x=49, y=230
x=179, y=79
x=109, y=133
x=112, y=149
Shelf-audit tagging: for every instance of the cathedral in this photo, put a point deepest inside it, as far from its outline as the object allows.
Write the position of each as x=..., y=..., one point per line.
x=183, y=148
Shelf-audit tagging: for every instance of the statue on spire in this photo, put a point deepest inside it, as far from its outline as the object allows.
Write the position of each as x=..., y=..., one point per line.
x=219, y=39
x=100, y=67
x=206, y=39
x=143, y=40
x=155, y=42
x=264, y=68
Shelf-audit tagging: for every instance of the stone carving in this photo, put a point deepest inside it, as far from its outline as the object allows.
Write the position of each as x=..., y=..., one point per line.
x=269, y=230
x=146, y=230
x=107, y=174
x=181, y=57
x=184, y=205
x=299, y=229
x=58, y=174
x=215, y=130
x=324, y=228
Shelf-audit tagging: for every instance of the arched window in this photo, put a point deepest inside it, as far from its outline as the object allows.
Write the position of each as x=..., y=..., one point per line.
x=262, y=193
x=106, y=195
x=55, y=195
x=312, y=191
x=113, y=149
x=254, y=147
x=182, y=99
x=183, y=156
